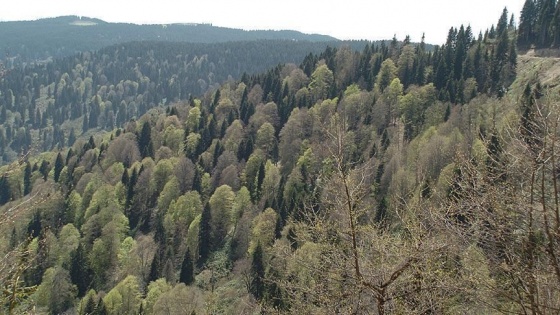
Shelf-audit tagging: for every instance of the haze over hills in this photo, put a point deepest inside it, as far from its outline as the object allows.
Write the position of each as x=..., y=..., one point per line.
x=62, y=36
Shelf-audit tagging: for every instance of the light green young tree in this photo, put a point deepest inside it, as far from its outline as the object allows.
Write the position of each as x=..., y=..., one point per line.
x=124, y=298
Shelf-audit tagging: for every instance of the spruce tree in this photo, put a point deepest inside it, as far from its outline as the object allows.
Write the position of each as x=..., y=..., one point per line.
x=101, y=309
x=27, y=179
x=71, y=137
x=257, y=286
x=145, y=141
x=58, y=166
x=44, y=169
x=80, y=274
x=186, y=275
x=5, y=192
x=155, y=267
x=204, y=237
x=90, y=307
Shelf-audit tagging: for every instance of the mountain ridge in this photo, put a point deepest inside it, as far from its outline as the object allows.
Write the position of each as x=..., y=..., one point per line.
x=62, y=36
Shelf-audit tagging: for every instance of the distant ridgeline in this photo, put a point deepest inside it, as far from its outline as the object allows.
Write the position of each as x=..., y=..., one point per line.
x=63, y=36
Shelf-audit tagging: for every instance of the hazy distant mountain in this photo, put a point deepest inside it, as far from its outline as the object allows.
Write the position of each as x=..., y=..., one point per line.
x=31, y=40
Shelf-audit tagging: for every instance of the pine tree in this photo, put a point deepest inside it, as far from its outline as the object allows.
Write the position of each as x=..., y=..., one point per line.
x=186, y=275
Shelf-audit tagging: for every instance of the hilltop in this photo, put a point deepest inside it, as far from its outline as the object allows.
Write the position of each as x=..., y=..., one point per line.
x=66, y=35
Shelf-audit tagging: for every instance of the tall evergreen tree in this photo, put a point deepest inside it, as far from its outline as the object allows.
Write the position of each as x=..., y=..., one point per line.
x=58, y=166
x=71, y=137
x=145, y=141
x=90, y=306
x=204, y=237
x=545, y=16
x=101, y=309
x=44, y=169
x=27, y=179
x=155, y=267
x=80, y=274
x=555, y=27
x=186, y=275
x=257, y=286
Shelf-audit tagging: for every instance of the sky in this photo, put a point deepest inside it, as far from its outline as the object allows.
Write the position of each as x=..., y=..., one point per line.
x=347, y=19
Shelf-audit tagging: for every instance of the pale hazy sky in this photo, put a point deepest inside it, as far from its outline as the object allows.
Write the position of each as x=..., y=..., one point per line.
x=346, y=19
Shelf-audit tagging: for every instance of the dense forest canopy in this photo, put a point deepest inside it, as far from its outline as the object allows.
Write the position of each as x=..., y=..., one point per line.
x=539, y=24
x=389, y=179
x=25, y=41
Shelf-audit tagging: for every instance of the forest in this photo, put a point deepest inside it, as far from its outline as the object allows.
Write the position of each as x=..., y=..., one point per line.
x=380, y=178
x=26, y=41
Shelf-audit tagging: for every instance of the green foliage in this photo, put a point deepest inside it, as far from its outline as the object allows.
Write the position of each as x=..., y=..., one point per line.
x=386, y=75
x=56, y=292
x=271, y=187
x=221, y=204
x=321, y=81
x=124, y=298
x=154, y=291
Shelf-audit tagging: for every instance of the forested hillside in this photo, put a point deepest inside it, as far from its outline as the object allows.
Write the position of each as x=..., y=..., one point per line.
x=27, y=41
x=389, y=180
x=47, y=106
x=539, y=24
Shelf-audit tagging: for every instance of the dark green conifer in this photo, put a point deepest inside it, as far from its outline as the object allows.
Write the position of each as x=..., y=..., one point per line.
x=145, y=141
x=204, y=237
x=155, y=267
x=257, y=286
x=58, y=166
x=80, y=274
x=27, y=179
x=186, y=275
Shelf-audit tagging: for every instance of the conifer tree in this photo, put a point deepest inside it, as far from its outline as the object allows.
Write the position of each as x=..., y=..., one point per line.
x=204, y=237
x=5, y=193
x=44, y=169
x=58, y=166
x=145, y=141
x=186, y=275
x=90, y=307
x=155, y=267
x=80, y=274
x=101, y=309
x=257, y=286
x=27, y=179
x=71, y=137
